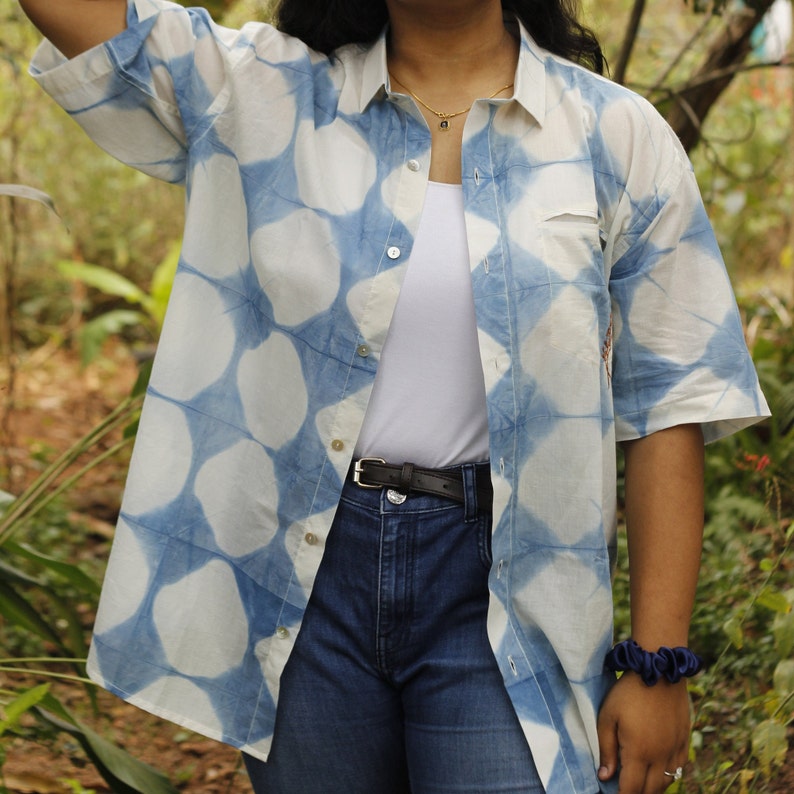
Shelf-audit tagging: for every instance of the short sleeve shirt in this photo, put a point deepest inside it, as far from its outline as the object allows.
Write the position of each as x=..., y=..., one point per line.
x=603, y=308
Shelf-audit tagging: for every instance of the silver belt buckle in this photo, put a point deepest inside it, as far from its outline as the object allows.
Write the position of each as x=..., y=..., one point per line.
x=358, y=470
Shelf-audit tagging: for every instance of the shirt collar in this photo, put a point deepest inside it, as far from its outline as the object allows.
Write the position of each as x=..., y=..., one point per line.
x=530, y=78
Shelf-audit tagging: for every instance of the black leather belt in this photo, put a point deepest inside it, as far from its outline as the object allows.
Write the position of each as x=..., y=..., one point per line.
x=376, y=473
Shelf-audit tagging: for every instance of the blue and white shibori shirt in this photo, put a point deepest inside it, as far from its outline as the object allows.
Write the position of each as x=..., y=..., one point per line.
x=603, y=308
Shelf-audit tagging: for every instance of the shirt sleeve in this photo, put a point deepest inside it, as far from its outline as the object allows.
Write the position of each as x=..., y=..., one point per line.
x=146, y=94
x=679, y=354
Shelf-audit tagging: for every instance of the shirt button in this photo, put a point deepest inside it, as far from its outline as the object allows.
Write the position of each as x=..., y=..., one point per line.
x=310, y=538
x=337, y=445
x=363, y=350
x=413, y=165
x=282, y=632
x=393, y=252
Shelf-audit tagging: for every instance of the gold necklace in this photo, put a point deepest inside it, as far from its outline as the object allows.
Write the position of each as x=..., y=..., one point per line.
x=445, y=117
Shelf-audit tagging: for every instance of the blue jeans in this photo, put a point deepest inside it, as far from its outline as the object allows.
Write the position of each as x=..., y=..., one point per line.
x=392, y=686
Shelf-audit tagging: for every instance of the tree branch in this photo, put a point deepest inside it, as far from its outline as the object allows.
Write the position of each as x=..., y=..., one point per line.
x=629, y=38
x=701, y=29
x=727, y=50
x=658, y=93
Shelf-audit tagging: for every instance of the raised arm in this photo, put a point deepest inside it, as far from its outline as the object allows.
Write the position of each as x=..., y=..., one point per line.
x=74, y=26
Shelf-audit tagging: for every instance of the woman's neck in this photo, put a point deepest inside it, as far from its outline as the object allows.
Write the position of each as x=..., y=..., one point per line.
x=448, y=54
x=435, y=45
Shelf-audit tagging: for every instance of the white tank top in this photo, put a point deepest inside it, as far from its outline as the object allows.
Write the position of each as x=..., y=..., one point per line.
x=428, y=401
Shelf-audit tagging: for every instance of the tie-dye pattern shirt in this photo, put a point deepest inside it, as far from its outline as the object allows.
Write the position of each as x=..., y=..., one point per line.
x=603, y=308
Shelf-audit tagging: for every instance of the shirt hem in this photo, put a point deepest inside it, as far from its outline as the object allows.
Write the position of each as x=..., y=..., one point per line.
x=174, y=717
x=716, y=424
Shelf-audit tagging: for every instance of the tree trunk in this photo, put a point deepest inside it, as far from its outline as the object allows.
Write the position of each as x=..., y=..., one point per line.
x=692, y=100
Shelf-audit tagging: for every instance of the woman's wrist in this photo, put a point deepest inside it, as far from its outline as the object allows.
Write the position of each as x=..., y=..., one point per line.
x=671, y=664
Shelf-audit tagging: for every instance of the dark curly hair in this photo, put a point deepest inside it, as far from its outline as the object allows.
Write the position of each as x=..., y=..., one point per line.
x=327, y=24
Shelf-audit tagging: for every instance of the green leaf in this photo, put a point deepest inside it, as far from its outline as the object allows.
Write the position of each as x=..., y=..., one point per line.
x=162, y=281
x=124, y=773
x=94, y=333
x=142, y=381
x=772, y=598
x=769, y=745
x=733, y=629
x=9, y=574
x=26, y=192
x=24, y=702
x=783, y=632
x=19, y=611
x=783, y=677
x=131, y=430
x=72, y=574
x=116, y=320
x=103, y=279
x=764, y=349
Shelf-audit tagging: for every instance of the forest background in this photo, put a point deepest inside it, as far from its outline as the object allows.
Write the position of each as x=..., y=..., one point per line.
x=82, y=295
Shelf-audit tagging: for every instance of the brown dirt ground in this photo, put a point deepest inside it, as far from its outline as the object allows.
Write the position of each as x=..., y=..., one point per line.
x=55, y=402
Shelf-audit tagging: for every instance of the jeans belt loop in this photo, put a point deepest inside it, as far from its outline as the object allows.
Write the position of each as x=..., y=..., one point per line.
x=471, y=508
x=406, y=475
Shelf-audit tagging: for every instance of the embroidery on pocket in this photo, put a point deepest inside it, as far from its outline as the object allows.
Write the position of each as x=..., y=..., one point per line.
x=606, y=352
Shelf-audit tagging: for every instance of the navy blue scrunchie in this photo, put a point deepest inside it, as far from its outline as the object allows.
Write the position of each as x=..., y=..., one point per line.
x=672, y=663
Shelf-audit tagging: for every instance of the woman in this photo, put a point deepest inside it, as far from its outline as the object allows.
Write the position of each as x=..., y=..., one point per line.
x=442, y=535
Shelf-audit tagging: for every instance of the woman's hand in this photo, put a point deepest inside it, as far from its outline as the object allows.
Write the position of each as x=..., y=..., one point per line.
x=645, y=731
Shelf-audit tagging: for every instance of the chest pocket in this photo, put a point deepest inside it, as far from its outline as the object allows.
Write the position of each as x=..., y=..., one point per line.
x=578, y=294
x=572, y=248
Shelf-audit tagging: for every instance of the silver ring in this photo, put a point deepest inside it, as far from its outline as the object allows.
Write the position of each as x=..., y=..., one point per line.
x=677, y=775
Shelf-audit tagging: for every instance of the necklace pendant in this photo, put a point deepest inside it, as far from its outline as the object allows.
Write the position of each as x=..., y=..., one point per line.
x=444, y=125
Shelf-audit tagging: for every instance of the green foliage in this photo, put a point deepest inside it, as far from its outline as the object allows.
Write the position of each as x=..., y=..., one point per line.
x=76, y=788
x=20, y=704
x=153, y=304
x=124, y=774
x=42, y=595
x=107, y=206
x=44, y=598
x=770, y=745
x=744, y=620
x=746, y=176
x=236, y=12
